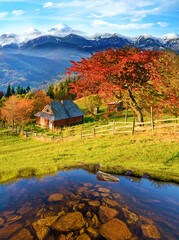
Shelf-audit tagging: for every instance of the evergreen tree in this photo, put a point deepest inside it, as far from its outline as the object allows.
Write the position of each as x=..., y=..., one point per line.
x=8, y=93
x=12, y=90
x=18, y=89
x=50, y=92
x=27, y=88
x=21, y=90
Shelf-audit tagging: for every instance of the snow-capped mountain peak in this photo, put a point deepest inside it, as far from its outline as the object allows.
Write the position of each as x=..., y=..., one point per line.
x=170, y=36
x=32, y=31
x=62, y=30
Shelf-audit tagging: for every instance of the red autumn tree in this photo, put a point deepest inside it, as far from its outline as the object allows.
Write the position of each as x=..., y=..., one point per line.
x=9, y=111
x=129, y=74
x=168, y=68
x=39, y=101
x=24, y=110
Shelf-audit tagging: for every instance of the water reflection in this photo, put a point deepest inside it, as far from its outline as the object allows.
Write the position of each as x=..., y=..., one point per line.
x=75, y=205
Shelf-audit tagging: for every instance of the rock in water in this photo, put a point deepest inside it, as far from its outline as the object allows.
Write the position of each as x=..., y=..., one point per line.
x=150, y=231
x=84, y=236
x=69, y=222
x=24, y=210
x=5, y=232
x=55, y=197
x=104, y=190
x=131, y=217
x=42, y=226
x=106, y=213
x=1, y=221
x=106, y=177
x=24, y=234
x=92, y=232
x=115, y=229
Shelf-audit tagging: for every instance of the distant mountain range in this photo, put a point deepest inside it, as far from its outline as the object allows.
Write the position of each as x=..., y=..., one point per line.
x=37, y=58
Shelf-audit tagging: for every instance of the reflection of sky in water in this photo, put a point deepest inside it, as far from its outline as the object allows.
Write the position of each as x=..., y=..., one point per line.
x=4, y=196
x=155, y=199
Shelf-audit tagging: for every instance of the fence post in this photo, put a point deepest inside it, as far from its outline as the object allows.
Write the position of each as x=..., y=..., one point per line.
x=126, y=115
x=81, y=135
x=114, y=124
x=152, y=120
x=94, y=132
x=133, y=126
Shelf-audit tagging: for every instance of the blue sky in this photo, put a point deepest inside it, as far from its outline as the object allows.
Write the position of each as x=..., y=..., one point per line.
x=126, y=17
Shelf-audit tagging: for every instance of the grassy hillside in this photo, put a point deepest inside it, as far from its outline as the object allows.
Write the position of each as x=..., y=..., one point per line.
x=155, y=155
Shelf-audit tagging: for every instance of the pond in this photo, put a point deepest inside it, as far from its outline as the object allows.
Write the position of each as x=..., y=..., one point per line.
x=75, y=205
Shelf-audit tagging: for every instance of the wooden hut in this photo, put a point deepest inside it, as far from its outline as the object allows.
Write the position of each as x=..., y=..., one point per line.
x=59, y=113
x=115, y=106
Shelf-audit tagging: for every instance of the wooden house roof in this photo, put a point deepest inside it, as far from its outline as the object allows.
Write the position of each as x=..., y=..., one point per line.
x=60, y=110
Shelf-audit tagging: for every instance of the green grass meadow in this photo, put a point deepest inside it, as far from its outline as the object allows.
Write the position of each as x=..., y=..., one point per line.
x=156, y=155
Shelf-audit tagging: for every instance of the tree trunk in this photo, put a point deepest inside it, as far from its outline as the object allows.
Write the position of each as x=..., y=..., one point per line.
x=135, y=107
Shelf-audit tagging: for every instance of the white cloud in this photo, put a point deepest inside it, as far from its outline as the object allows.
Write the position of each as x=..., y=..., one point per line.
x=3, y=14
x=18, y=13
x=48, y=4
x=105, y=8
x=163, y=24
x=98, y=23
x=138, y=18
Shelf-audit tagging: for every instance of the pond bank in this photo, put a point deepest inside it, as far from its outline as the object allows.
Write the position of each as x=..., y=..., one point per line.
x=119, y=171
x=156, y=156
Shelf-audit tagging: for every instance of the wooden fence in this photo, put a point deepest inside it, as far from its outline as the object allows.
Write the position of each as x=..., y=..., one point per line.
x=112, y=128
x=129, y=127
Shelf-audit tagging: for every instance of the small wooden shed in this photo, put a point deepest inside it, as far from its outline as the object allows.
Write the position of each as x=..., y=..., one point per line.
x=115, y=106
x=59, y=113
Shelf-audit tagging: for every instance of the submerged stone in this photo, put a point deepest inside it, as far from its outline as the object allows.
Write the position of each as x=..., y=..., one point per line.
x=145, y=220
x=1, y=221
x=148, y=227
x=106, y=177
x=95, y=194
x=81, y=206
x=110, y=202
x=24, y=234
x=82, y=189
x=88, y=184
x=13, y=218
x=130, y=216
x=62, y=237
x=150, y=231
x=6, y=213
x=69, y=222
x=105, y=194
x=115, y=229
x=94, y=203
x=55, y=197
x=106, y=213
x=83, y=236
x=42, y=226
x=104, y=190
x=93, y=233
x=8, y=230
x=24, y=210
x=95, y=221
